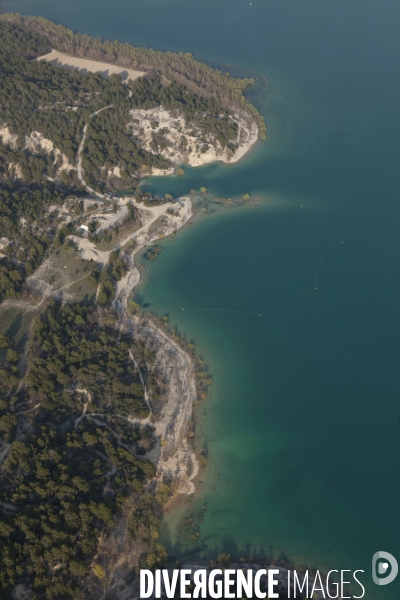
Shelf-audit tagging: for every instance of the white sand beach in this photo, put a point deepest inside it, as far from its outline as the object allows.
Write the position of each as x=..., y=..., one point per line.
x=87, y=65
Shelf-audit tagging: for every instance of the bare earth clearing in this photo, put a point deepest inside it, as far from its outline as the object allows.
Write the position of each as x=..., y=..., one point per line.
x=37, y=144
x=174, y=128
x=87, y=65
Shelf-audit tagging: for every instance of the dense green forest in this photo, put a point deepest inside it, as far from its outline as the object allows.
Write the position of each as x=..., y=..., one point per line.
x=74, y=459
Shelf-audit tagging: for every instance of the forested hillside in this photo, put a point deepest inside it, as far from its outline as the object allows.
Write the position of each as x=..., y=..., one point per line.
x=182, y=67
x=24, y=245
x=56, y=103
x=74, y=458
x=77, y=443
x=43, y=111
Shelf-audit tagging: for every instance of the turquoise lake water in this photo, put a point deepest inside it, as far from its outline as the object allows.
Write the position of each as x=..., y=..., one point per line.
x=302, y=426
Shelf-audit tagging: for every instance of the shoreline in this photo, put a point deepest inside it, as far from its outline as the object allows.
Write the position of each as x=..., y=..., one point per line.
x=178, y=461
x=247, y=138
x=176, y=457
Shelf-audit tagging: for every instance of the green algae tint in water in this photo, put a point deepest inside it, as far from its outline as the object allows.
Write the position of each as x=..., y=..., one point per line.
x=302, y=423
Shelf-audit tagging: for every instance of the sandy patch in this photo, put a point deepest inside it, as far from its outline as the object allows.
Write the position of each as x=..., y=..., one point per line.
x=247, y=135
x=36, y=143
x=114, y=172
x=7, y=137
x=87, y=65
x=162, y=172
x=15, y=170
x=110, y=219
x=89, y=250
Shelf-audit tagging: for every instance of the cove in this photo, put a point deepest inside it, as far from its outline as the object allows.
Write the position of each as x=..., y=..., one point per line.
x=302, y=425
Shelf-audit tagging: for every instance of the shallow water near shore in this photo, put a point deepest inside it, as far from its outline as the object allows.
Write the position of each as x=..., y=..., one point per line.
x=301, y=426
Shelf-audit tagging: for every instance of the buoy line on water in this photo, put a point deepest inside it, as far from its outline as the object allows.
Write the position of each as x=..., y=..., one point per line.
x=260, y=314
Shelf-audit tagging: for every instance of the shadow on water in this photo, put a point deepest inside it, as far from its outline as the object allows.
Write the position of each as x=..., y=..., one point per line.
x=227, y=550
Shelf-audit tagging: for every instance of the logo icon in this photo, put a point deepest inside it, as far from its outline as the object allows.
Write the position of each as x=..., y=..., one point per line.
x=381, y=561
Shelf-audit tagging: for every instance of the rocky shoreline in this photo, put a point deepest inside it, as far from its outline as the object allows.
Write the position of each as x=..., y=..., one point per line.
x=177, y=461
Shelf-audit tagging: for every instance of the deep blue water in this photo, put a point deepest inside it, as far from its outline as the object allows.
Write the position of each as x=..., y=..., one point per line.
x=302, y=425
